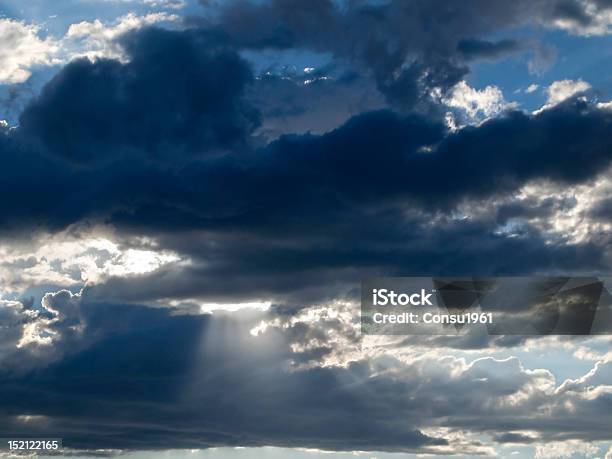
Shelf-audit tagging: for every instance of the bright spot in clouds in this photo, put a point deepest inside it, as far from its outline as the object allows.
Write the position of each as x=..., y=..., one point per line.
x=67, y=260
x=477, y=104
x=564, y=89
x=256, y=305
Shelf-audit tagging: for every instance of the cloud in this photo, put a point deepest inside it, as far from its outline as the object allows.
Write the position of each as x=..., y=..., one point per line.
x=603, y=210
x=25, y=46
x=169, y=351
x=562, y=90
x=182, y=392
x=169, y=4
x=471, y=48
x=76, y=257
x=585, y=18
x=175, y=96
x=22, y=48
x=397, y=52
x=252, y=267
x=531, y=88
x=99, y=40
x=400, y=51
x=566, y=449
x=570, y=141
x=165, y=137
x=357, y=199
x=476, y=104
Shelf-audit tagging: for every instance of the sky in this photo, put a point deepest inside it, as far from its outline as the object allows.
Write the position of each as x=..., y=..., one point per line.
x=192, y=192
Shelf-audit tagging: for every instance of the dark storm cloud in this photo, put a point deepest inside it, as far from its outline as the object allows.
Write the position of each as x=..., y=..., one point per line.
x=141, y=378
x=178, y=94
x=376, y=157
x=408, y=47
x=293, y=176
x=327, y=261
x=392, y=50
x=368, y=168
x=290, y=216
x=372, y=162
x=287, y=217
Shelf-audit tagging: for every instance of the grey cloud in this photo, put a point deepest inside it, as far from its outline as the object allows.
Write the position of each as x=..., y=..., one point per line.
x=409, y=48
x=603, y=210
x=300, y=271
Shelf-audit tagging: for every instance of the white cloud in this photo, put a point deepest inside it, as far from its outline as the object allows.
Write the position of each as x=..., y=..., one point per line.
x=605, y=105
x=21, y=48
x=565, y=449
x=252, y=305
x=97, y=39
x=599, y=21
x=68, y=260
x=169, y=4
x=599, y=376
x=531, y=88
x=564, y=89
x=570, y=217
x=476, y=104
